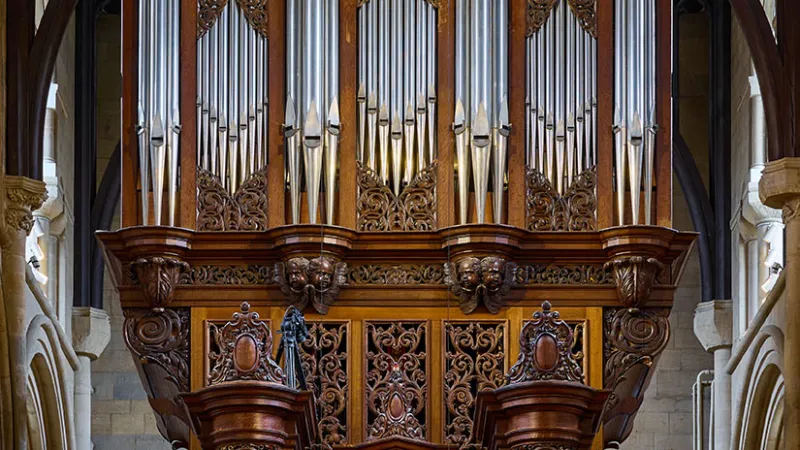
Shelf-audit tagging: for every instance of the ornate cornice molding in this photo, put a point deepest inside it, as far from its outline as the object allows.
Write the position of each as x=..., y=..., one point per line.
x=475, y=281
x=157, y=277
x=316, y=281
x=23, y=196
x=635, y=276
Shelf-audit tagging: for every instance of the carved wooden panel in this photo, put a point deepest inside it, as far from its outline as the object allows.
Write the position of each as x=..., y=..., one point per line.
x=255, y=11
x=218, y=210
x=396, y=275
x=207, y=13
x=396, y=379
x=585, y=11
x=380, y=210
x=324, y=357
x=578, y=328
x=547, y=210
x=474, y=360
x=564, y=274
x=249, y=275
x=538, y=12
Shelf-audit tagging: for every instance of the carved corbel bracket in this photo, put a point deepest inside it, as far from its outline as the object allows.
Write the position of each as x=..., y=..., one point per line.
x=316, y=281
x=475, y=281
x=157, y=277
x=634, y=339
x=635, y=276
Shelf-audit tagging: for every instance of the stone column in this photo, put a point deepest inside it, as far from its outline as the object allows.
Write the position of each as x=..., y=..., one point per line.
x=780, y=189
x=91, y=331
x=713, y=325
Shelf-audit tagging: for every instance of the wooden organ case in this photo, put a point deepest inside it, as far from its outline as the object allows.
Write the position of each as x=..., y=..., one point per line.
x=417, y=177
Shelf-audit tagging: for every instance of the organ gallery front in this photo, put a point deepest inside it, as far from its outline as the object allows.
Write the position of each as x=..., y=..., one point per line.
x=396, y=223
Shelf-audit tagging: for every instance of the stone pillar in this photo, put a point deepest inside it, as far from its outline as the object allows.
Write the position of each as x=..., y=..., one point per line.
x=713, y=325
x=91, y=331
x=780, y=189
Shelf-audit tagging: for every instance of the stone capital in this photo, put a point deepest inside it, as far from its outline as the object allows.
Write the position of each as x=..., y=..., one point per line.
x=779, y=187
x=91, y=331
x=713, y=324
x=22, y=196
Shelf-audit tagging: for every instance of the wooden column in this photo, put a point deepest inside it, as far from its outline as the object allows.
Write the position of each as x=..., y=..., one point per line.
x=663, y=163
x=348, y=73
x=605, y=108
x=515, y=205
x=129, y=152
x=187, y=204
x=445, y=109
x=277, y=107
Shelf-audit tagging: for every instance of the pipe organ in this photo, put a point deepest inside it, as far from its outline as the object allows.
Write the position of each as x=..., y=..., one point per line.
x=346, y=219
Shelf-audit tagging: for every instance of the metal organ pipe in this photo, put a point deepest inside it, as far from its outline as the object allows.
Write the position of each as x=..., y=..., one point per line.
x=143, y=125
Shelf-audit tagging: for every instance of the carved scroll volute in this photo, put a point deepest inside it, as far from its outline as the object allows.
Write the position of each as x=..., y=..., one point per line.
x=546, y=350
x=316, y=281
x=635, y=276
x=157, y=277
x=475, y=281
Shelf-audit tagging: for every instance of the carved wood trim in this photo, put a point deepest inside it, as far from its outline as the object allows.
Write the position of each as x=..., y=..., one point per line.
x=249, y=275
x=160, y=338
x=157, y=277
x=315, y=281
x=396, y=380
x=218, y=210
x=396, y=275
x=566, y=274
x=475, y=281
x=585, y=11
x=380, y=210
x=635, y=276
x=538, y=13
x=544, y=446
x=208, y=11
x=547, y=210
x=255, y=11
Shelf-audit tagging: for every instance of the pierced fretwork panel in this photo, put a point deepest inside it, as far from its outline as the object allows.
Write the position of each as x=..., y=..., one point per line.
x=324, y=356
x=396, y=380
x=474, y=360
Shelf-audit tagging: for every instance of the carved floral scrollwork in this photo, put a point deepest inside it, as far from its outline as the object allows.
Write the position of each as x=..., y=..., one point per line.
x=635, y=276
x=564, y=274
x=23, y=196
x=632, y=336
x=324, y=359
x=249, y=446
x=157, y=277
x=476, y=281
x=538, y=12
x=208, y=11
x=249, y=275
x=161, y=338
x=549, y=211
x=585, y=11
x=315, y=281
x=396, y=380
x=475, y=361
x=403, y=274
x=243, y=350
x=255, y=11
x=544, y=446
x=218, y=210
x=380, y=210
x=546, y=344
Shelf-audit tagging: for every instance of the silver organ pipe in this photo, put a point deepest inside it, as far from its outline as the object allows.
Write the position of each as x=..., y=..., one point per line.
x=481, y=109
x=397, y=57
x=562, y=68
x=312, y=128
x=635, y=126
x=158, y=126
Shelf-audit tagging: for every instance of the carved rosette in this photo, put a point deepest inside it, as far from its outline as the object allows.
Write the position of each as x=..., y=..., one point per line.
x=585, y=11
x=23, y=196
x=161, y=338
x=635, y=276
x=157, y=277
x=396, y=380
x=475, y=281
x=315, y=281
x=380, y=210
x=538, y=13
x=208, y=11
x=218, y=210
x=474, y=362
x=547, y=210
x=545, y=353
x=243, y=350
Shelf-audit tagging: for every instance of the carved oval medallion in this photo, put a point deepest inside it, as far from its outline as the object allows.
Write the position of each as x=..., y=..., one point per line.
x=245, y=353
x=396, y=407
x=545, y=355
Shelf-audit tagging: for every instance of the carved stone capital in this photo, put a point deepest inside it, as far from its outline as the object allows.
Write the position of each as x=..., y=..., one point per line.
x=316, y=281
x=157, y=276
x=161, y=338
x=475, y=281
x=635, y=276
x=779, y=187
x=713, y=324
x=91, y=331
x=23, y=196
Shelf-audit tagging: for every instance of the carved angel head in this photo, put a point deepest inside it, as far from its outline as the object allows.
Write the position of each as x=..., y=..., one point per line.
x=320, y=272
x=469, y=273
x=296, y=273
x=493, y=271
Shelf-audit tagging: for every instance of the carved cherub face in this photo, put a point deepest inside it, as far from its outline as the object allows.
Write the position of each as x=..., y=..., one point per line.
x=321, y=272
x=297, y=275
x=493, y=273
x=469, y=273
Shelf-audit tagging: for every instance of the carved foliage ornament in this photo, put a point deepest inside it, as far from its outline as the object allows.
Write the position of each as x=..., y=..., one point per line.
x=249, y=446
x=585, y=12
x=396, y=380
x=403, y=274
x=476, y=281
x=570, y=274
x=632, y=336
x=544, y=446
x=23, y=196
x=317, y=281
x=249, y=275
x=380, y=210
x=255, y=11
x=161, y=338
x=244, y=350
x=635, y=276
x=207, y=13
x=546, y=350
x=538, y=12
x=157, y=277
x=475, y=361
x=547, y=210
x=218, y=210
